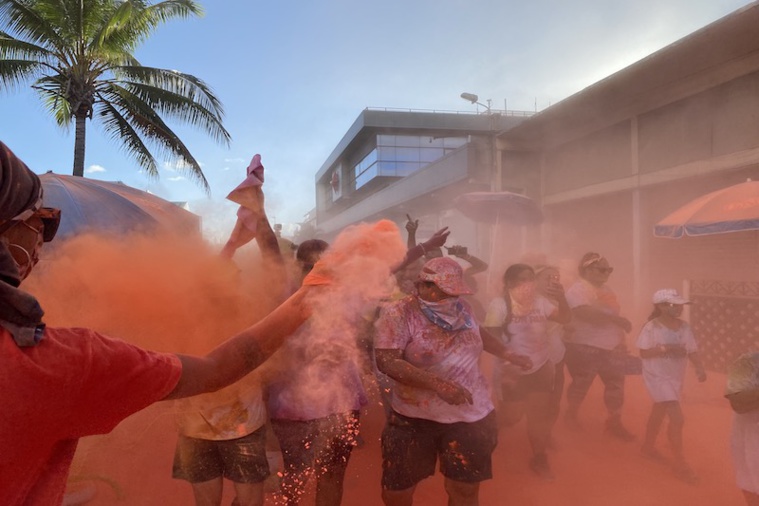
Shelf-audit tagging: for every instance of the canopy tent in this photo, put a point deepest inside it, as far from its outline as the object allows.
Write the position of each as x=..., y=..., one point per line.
x=112, y=207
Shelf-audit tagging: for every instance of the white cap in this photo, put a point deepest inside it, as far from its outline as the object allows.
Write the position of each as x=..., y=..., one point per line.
x=669, y=295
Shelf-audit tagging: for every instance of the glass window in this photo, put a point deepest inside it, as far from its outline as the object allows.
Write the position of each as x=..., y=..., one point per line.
x=430, y=154
x=407, y=154
x=407, y=141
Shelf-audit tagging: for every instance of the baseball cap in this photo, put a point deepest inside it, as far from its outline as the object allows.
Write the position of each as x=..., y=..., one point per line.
x=447, y=274
x=669, y=295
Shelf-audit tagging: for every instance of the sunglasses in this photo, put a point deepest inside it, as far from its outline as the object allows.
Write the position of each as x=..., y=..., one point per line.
x=604, y=270
x=670, y=304
x=51, y=218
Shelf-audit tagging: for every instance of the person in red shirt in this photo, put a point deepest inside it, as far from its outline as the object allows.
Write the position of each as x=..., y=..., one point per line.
x=57, y=385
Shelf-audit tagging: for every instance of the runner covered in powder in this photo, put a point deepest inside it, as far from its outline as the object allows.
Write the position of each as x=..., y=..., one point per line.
x=59, y=385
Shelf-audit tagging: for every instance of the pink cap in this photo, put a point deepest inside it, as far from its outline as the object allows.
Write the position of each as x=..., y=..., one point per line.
x=447, y=274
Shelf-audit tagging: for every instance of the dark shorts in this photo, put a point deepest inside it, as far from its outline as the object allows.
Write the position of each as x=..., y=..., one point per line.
x=323, y=443
x=540, y=381
x=411, y=446
x=241, y=460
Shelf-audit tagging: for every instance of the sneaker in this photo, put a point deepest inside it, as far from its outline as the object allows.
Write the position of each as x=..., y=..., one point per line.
x=615, y=428
x=685, y=474
x=539, y=466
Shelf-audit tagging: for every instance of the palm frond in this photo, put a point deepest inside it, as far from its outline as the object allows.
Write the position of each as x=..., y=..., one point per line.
x=119, y=129
x=144, y=119
x=15, y=73
x=12, y=48
x=53, y=92
x=24, y=19
x=176, y=82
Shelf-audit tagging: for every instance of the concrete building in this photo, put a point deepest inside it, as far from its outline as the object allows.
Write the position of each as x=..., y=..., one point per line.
x=605, y=165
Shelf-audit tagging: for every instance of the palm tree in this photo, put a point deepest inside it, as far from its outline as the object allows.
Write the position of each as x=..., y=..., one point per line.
x=78, y=55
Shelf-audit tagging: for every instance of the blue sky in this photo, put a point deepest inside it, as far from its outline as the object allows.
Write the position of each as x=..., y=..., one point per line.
x=293, y=76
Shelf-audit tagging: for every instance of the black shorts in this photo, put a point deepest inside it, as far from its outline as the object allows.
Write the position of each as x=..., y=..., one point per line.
x=241, y=460
x=540, y=381
x=411, y=446
x=324, y=444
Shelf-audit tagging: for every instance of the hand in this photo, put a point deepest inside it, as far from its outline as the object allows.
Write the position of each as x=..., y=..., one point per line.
x=453, y=393
x=555, y=290
x=522, y=361
x=438, y=239
x=624, y=323
x=411, y=225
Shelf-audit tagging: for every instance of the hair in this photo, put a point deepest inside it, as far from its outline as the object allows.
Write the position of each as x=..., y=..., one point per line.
x=655, y=313
x=514, y=271
x=307, y=249
x=587, y=260
x=509, y=276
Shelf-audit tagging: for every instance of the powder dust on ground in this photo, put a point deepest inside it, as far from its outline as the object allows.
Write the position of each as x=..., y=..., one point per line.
x=140, y=290
x=591, y=468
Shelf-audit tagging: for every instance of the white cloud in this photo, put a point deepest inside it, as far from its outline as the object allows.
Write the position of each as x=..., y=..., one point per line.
x=176, y=178
x=94, y=168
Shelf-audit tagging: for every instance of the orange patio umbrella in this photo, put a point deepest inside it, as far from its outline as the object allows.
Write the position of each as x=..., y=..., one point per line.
x=730, y=209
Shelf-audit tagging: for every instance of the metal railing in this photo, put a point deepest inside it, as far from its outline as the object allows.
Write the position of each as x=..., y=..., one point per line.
x=494, y=112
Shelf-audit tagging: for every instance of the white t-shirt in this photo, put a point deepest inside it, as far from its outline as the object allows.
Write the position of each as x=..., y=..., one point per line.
x=664, y=376
x=528, y=334
x=606, y=336
x=745, y=450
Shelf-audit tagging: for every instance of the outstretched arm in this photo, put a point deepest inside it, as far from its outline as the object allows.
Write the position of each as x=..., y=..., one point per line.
x=475, y=264
x=238, y=356
x=415, y=253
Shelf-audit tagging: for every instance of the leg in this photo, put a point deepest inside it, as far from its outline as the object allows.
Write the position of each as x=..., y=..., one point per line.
x=208, y=493
x=538, y=421
x=332, y=455
x=512, y=406
x=296, y=442
x=582, y=367
x=655, y=419
x=557, y=392
x=199, y=462
x=409, y=454
x=398, y=497
x=675, y=429
x=246, y=465
x=461, y=493
x=613, y=379
x=249, y=494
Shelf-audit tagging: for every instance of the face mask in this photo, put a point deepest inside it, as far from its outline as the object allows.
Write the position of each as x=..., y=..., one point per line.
x=524, y=294
x=448, y=314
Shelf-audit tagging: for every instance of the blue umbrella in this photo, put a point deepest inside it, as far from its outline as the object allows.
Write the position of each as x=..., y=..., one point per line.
x=114, y=208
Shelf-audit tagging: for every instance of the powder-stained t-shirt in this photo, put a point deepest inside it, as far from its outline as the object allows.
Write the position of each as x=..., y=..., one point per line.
x=664, y=376
x=317, y=373
x=606, y=336
x=75, y=383
x=451, y=355
x=230, y=413
x=528, y=333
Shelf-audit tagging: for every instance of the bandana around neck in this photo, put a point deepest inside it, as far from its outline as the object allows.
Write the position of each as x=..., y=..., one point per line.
x=448, y=314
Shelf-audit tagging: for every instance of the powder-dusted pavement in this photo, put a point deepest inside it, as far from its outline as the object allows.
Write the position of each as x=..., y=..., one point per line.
x=591, y=468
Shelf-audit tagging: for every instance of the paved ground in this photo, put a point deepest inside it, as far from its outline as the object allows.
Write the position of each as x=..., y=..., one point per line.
x=591, y=468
